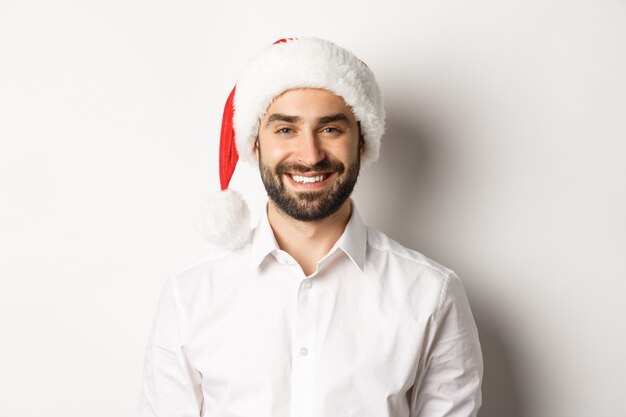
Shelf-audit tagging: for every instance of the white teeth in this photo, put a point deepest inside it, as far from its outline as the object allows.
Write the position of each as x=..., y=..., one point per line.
x=306, y=180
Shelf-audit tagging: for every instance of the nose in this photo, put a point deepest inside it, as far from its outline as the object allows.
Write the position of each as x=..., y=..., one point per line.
x=309, y=150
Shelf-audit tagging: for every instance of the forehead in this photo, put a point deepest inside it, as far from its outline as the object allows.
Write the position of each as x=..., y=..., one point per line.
x=309, y=103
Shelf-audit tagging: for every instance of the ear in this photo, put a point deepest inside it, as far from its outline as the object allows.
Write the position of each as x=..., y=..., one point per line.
x=256, y=148
x=361, y=141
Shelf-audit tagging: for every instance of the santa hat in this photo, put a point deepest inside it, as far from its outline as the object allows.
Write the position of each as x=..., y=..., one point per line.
x=286, y=64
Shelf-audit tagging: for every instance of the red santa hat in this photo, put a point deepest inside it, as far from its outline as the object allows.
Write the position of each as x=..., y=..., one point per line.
x=286, y=64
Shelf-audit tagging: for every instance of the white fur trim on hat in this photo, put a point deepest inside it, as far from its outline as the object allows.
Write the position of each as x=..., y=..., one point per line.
x=314, y=63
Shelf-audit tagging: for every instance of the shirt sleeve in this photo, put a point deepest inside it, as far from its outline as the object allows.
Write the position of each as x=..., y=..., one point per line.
x=171, y=387
x=449, y=382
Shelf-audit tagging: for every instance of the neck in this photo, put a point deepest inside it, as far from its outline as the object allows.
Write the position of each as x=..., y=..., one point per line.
x=308, y=242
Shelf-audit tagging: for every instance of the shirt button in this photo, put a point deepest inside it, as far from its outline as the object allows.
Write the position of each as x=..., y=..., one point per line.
x=308, y=284
x=304, y=351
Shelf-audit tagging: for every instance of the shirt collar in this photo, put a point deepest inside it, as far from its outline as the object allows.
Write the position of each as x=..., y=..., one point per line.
x=353, y=240
x=263, y=240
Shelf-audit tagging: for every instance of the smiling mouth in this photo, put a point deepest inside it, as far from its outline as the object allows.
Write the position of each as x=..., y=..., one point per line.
x=309, y=179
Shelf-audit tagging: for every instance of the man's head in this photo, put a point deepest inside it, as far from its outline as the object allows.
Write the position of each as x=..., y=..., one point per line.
x=279, y=73
x=309, y=149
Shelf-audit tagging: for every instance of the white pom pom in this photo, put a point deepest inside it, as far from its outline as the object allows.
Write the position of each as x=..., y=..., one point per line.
x=224, y=220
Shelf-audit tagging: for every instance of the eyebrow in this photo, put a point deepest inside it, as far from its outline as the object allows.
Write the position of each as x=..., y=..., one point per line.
x=339, y=117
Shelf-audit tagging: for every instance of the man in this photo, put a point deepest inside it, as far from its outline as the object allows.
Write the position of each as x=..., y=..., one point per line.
x=313, y=313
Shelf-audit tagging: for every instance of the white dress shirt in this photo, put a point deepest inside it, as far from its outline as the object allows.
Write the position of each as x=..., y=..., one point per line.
x=378, y=330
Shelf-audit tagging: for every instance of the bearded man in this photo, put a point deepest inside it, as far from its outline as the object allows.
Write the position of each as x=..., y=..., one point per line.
x=312, y=313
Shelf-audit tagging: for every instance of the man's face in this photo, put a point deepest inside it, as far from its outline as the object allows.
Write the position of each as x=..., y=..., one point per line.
x=309, y=150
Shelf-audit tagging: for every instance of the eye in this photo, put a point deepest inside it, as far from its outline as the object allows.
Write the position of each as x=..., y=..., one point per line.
x=283, y=130
x=331, y=130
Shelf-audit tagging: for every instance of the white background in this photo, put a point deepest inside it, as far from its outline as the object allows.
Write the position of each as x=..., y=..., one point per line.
x=503, y=160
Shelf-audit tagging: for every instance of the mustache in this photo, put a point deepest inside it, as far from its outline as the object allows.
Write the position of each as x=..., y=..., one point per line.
x=323, y=165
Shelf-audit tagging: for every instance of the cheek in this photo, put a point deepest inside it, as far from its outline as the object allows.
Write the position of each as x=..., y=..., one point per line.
x=346, y=149
x=349, y=155
x=271, y=155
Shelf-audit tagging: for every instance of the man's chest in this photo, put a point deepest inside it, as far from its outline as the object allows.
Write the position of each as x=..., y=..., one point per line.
x=331, y=341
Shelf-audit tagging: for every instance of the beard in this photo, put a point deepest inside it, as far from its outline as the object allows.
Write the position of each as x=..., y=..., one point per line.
x=308, y=206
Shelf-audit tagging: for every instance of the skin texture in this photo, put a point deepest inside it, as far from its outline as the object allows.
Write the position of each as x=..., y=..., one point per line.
x=318, y=136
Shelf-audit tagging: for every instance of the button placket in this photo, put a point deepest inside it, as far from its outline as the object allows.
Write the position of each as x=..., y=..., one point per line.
x=303, y=355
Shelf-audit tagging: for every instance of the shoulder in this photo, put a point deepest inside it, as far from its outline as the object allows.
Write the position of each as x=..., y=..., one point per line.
x=423, y=282
x=214, y=269
x=386, y=247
